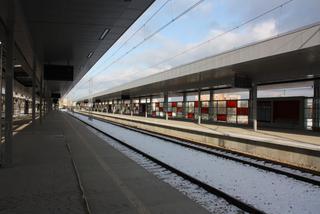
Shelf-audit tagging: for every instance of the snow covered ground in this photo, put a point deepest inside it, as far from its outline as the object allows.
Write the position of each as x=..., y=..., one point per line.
x=252, y=160
x=264, y=190
x=212, y=203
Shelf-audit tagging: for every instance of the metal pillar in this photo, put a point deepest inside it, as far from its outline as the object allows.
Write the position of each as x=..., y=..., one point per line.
x=124, y=107
x=253, y=112
x=146, y=108
x=49, y=105
x=184, y=105
x=121, y=106
x=199, y=106
x=211, y=105
x=316, y=105
x=165, y=104
x=139, y=106
x=41, y=90
x=1, y=55
x=45, y=101
x=9, y=86
x=33, y=104
x=113, y=107
x=101, y=106
x=150, y=107
x=26, y=107
x=131, y=107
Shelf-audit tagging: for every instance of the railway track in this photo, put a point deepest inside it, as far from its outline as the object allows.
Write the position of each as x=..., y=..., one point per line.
x=231, y=198
x=258, y=163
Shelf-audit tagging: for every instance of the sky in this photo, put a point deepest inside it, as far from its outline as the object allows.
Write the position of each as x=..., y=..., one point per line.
x=207, y=21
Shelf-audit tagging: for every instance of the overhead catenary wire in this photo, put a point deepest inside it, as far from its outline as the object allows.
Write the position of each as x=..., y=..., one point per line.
x=152, y=34
x=198, y=45
x=132, y=35
x=138, y=30
x=221, y=34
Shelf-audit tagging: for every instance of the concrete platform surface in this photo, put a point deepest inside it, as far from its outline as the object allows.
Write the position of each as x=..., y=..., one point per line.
x=42, y=178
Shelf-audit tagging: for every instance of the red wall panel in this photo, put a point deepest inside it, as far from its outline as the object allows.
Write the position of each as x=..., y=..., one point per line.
x=222, y=117
x=190, y=115
x=242, y=111
x=196, y=104
x=204, y=110
x=231, y=103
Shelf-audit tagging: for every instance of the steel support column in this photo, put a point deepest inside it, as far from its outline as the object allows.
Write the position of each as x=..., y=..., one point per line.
x=40, y=97
x=9, y=85
x=45, y=99
x=150, y=107
x=253, y=110
x=26, y=107
x=316, y=106
x=121, y=106
x=199, y=106
x=139, y=106
x=113, y=107
x=124, y=107
x=48, y=104
x=165, y=104
x=146, y=108
x=211, y=105
x=184, y=105
x=1, y=63
x=33, y=104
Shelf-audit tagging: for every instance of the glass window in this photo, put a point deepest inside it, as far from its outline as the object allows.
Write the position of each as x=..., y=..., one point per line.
x=242, y=119
x=243, y=103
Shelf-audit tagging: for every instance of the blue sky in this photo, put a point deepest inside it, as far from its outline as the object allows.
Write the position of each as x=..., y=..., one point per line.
x=208, y=19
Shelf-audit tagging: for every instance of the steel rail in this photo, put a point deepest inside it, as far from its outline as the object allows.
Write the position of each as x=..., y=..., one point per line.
x=232, y=200
x=205, y=149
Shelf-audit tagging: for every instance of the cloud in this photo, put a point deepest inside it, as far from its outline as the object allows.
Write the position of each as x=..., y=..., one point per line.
x=234, y=39
x=207, y=20
x=140, y=62
x=265, y=30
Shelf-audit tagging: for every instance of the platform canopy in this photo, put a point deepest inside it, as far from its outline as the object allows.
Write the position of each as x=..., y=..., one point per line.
x=289, y=57
x=72, y=34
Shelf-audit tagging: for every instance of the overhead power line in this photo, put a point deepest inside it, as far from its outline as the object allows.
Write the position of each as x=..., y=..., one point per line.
x=221, y=34
x=153, y=34
x=132, y=35
x=198, y=45
x=138, y=30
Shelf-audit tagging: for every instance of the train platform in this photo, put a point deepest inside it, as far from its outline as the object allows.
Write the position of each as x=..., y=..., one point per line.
x=59, y=161
x=264, y=143
x=294, y=137
x=18, y=124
